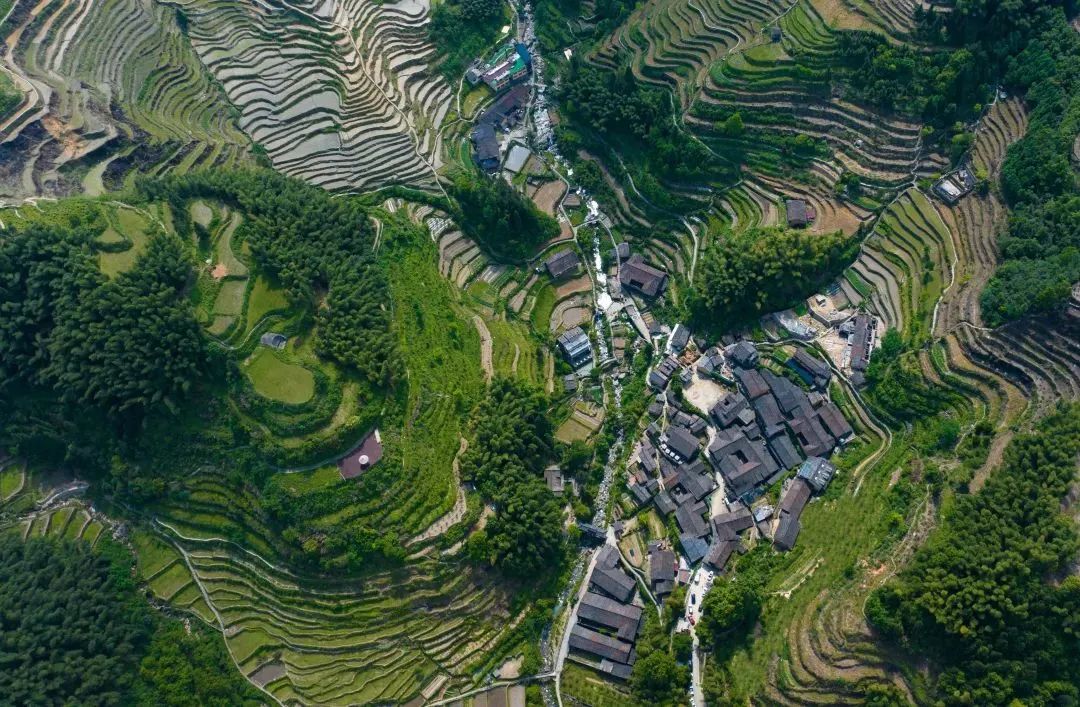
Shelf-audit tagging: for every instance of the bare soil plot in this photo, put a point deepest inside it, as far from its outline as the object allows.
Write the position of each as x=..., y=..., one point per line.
x=548, y=196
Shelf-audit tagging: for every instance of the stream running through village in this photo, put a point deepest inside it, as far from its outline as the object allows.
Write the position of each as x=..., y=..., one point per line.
x=553, y=655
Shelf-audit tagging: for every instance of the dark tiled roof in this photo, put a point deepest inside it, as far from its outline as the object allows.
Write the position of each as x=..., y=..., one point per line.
x=811, y=436
x=834, y=421
x=728, y=408
x=796, y=212
x=661, y=564
x=614, y=582
x=691, y=523
x=638, y=274
x=738, y=520
x=486, y=146
x=682, y=442
x=786, y=532
x=693, y=547
x=795, y=497
x=744, y=354
x=589, y=641
x=812, y=370
x=768, y=414
x=783, y=450
x=663, y=503
x=719, y=553
x=860, y=343
x=562, y=263
x=751, y=382
x=608, y=613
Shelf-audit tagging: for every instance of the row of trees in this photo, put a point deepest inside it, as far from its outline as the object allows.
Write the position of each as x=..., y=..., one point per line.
x=73, y=630
x=318, y=247
x=762, y=270
x=510, y=445
x=978, y=598
x=939, y=87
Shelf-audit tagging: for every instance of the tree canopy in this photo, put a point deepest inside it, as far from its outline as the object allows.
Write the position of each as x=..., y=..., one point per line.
x=74, y=630
x=976, y=598
x=318, y=247
x=505, y=223
x=510, y=445
x=762, y=270
x=124, y=345
x=69, y=633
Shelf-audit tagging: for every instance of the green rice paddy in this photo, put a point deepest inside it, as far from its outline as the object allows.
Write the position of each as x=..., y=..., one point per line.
x=277, y=379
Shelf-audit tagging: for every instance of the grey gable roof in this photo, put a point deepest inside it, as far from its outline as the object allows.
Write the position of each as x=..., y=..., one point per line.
x=682, y=442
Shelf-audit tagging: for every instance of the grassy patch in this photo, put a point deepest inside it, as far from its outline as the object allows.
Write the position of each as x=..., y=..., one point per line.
x=542, y=309
x=264, y=298
x=11, y=479
x=277, y=379
x=586, y=686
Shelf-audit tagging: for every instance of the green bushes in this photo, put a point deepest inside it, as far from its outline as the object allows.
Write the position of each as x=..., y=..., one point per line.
x=285, y=419
x=74, y=631
x=977, y=599
x=462, y=30
x=313, y=245
x=940, y=87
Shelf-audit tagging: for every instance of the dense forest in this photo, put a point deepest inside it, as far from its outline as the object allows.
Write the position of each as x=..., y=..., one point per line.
x=1041, y=251
x=987, y=597
x=122, y=346
x=613, y=111
x=511, y=444
x=462, y=30
x=318, y=247
x=762, y=270
x=499, y=218
x=73, y=630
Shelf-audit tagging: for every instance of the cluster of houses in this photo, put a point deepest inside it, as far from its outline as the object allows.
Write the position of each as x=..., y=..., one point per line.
x=507, y=111
x=771, y=424
x=608, y=619
x=508, y=65
x=752, y=437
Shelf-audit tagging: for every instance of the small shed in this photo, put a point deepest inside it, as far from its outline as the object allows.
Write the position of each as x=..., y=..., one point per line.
x=273, y=340
x=797, y=216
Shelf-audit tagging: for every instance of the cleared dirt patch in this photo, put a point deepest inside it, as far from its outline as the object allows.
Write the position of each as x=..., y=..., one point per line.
x=548, y=196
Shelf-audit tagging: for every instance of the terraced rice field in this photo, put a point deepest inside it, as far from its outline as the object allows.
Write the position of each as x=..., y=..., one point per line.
x=673, y=42
x=70, y=521
x=338, y=93
x=278, y=379
x=783, y=89
x=908, y=260
x=379, y=638
x=103, y=79
x=978, y=220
